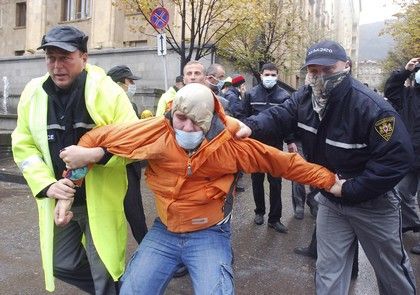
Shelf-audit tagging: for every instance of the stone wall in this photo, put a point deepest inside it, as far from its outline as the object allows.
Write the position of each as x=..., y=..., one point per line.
x=144, y=62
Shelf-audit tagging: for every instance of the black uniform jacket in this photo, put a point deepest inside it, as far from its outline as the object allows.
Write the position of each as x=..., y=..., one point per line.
x=406, y=100
x=259, y=99
x=361, y=137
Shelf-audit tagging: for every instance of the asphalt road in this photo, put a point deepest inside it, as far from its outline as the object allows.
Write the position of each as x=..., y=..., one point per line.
x=264, y=259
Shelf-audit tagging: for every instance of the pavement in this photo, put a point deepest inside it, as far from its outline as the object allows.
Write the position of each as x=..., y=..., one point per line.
x=264, y=259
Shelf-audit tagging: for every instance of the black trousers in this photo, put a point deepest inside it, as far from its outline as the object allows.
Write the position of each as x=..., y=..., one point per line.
x=259, y=196
x=80, y=265
x=133, y=205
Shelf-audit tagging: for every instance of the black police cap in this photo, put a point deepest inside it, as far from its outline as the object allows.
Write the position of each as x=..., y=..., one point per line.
x=119, y=73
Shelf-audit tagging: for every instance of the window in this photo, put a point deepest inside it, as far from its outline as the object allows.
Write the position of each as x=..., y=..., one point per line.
x=21, y=14
x=75, y=9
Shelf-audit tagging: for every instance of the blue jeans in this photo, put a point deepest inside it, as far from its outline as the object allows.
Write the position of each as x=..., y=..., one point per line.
x=206, y=253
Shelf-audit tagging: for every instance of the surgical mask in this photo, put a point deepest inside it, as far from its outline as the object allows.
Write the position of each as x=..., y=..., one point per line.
x=189, y=140
x=417, y=77
x=269, y=81
x=216, y=87
x=131, y=90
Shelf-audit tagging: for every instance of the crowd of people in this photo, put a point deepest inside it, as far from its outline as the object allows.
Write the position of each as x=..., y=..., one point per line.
x=81, y=144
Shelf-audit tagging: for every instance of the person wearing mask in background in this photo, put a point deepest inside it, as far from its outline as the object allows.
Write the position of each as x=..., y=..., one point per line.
x=215, y=75
x=133, y=204
x=123, y=76
x=357, y=134
x=406, y=100
x=55, y=111
x=226, y=84
x=261, y=97
x=168, y=96
x=193, y=156
x=235, y=94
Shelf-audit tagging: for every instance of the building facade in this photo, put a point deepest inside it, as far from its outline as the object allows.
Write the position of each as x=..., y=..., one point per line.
x=114, y=35
x=370, y=72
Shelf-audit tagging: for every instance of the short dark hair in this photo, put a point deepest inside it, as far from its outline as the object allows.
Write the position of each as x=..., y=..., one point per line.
x=179, y=79
x=269, y=67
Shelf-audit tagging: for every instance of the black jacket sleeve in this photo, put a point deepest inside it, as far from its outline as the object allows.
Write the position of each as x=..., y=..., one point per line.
x=394, y=88
x=278, y=121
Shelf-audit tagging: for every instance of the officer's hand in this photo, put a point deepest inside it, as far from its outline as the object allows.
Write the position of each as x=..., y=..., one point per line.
x=62, y=213
x=412, y=64
x=244, y=131
x=336, y=188
x=77, y=156
x=63, y=189
x=292, y=147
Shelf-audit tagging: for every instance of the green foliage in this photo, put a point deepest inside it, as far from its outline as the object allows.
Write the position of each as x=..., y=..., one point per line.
x=276, y=33
x=405, y=30
x=196, y=26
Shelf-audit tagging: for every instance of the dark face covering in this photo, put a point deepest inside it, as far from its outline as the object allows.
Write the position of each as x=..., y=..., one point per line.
x=322, y=87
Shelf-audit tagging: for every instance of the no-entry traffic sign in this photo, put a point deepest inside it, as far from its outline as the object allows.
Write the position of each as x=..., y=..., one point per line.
x=159, y=18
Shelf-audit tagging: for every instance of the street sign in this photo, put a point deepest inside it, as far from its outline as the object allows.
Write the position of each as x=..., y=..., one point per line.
x=161, y=44
x=159, y=18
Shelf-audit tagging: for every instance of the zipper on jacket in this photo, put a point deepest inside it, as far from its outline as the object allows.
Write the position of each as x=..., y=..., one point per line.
x=189, y=168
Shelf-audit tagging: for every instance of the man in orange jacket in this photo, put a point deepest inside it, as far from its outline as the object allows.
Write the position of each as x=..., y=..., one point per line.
x=193, y=157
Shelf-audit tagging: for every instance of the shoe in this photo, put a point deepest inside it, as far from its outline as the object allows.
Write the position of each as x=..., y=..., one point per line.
x=305, y=251
x=299, y=213
x=416, y=249
x=278, y=226
x=259, y=219
x=180, y=272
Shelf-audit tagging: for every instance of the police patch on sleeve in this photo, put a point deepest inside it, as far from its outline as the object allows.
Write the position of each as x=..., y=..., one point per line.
x=385, y=127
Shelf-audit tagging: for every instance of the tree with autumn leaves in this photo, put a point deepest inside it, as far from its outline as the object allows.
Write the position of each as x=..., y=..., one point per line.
x=199, y=25
x=405, y=30
x=247, y=33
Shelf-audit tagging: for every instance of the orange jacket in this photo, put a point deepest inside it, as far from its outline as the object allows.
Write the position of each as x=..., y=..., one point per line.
x=190, y=190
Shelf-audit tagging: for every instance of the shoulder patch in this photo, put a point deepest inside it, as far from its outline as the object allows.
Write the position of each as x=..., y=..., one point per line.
x=385, y=127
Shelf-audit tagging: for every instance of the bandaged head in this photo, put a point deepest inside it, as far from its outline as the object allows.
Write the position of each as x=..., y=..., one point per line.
x=196, y=102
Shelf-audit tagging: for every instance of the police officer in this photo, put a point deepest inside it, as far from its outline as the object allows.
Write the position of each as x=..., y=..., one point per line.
x=406, y=100
x=133, y=205
x=261, y=97
x=54, y=112
x=124, y=77
x=356, y=133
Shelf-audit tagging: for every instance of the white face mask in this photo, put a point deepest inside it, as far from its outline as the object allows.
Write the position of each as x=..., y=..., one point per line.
x=417, y=77
x=131, y=90
x=269, y=81
x=189, y=140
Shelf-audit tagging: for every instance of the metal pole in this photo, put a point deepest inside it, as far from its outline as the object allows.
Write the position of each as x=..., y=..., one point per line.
x=165, y=72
